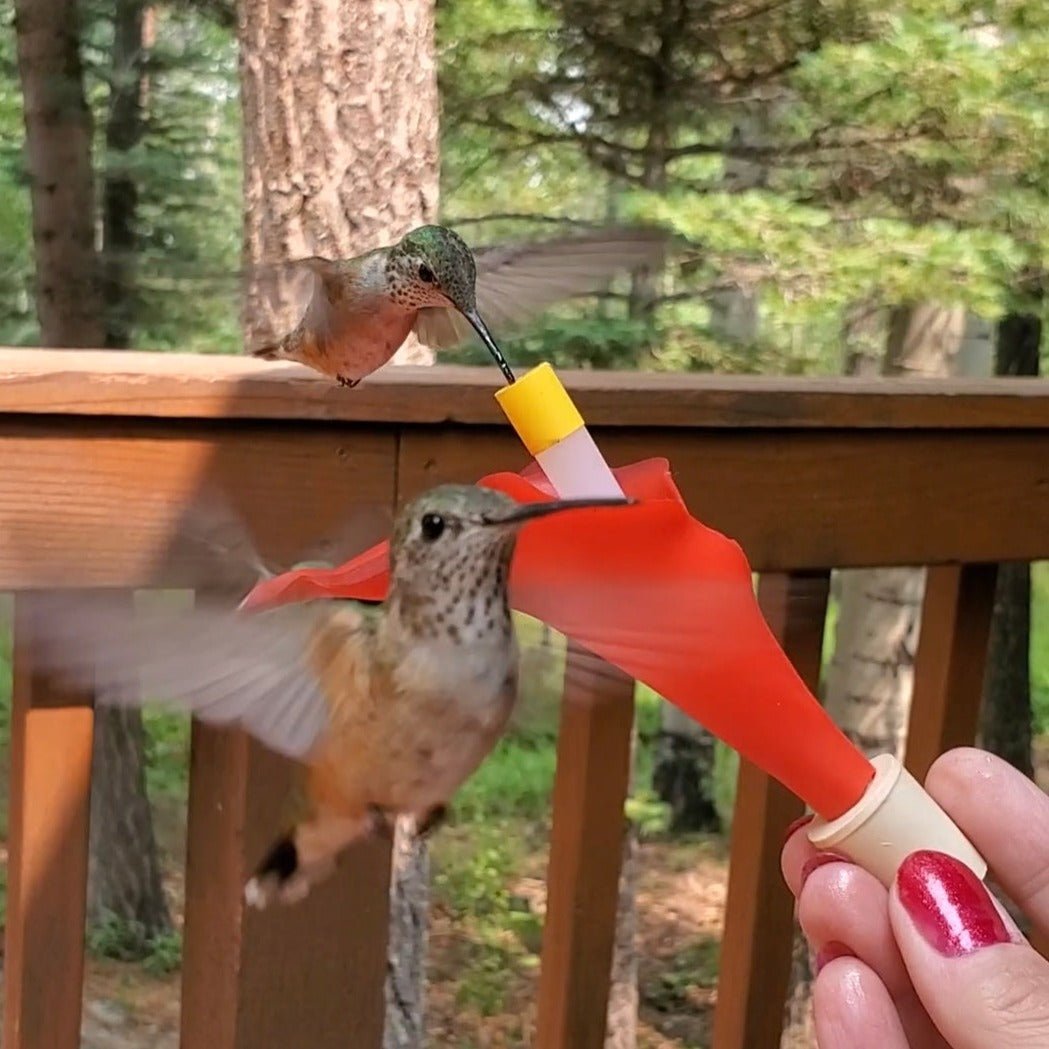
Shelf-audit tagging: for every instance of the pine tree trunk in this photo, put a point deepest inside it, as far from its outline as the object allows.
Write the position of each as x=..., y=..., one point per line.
x=123, y=874
x=124, y=868
x=58, y=151
x=870, y=676
x=1006, y=727
x=340, y=134
x=683, y=771
x=623, y=998
x=341, y=155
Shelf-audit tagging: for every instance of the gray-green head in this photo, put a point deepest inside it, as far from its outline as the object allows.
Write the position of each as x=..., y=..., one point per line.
x=463, y=536
x=431, y=266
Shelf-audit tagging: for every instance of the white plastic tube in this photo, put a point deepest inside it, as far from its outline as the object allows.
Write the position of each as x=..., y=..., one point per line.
x=553, y=431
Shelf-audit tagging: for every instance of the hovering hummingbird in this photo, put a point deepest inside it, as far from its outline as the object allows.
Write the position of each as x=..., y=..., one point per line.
x=389, y=707
x=361, y=310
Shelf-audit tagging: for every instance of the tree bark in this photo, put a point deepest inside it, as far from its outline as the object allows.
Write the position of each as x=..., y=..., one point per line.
x=870, y=677
x=124, y=868
x=683, y=771
x=58, y=150
x=340, y=135
x=340, y=156
x=1006, y=727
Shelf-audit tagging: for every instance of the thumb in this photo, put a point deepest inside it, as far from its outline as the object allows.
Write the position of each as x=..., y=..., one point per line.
x=978, y=978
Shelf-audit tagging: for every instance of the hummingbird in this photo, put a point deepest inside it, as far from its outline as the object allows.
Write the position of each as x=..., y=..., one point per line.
x=361, y=310
x=388, y=707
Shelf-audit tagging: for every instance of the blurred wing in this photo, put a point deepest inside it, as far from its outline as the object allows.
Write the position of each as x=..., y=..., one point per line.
x=517, y=283
x=225, y=668
x=283, y=295
x=442, y=328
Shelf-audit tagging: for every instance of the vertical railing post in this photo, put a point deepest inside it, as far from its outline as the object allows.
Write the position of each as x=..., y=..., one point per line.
x=758, y=935
x=950, y=662
x=308, y=974
x=51, y=743
x=586, y=849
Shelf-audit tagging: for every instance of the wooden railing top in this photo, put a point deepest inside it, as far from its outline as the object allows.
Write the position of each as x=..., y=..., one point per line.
x=185, y=385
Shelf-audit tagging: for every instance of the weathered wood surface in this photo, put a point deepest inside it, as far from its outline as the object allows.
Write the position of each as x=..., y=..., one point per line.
x=97, y=382
x=759, y=911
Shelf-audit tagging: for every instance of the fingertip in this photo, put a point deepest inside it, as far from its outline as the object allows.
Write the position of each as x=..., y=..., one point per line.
x=853, y=1008
x=797, y=851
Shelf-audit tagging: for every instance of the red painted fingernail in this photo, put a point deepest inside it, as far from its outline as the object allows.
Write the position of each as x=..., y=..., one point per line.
x=831, y=950
x=796, y=825
x=818, y=861
x=948, y=904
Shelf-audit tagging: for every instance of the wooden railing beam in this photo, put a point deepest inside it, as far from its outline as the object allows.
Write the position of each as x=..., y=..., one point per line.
x=758, y=936
x=950, y=662
x=51, y=745
x=586, y=849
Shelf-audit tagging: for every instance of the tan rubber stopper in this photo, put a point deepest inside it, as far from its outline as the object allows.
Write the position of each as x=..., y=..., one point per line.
x=894, y=818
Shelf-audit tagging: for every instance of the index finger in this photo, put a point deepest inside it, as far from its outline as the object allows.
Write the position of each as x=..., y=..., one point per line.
x=1006, y=816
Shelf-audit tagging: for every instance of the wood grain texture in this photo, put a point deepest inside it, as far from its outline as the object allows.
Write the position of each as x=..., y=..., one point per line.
x=586, y=848
x=950, y=662
x=759, y=929
x=312, y=974
x=309, y=975
x=51, y=739
x=90, y=382
x=809, y=500
x=97, y=502
x=111, y=506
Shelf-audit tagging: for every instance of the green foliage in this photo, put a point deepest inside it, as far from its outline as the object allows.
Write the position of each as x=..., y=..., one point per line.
x=167, y=752
x=694, y=966
x=127, y=941
x=1040, y=645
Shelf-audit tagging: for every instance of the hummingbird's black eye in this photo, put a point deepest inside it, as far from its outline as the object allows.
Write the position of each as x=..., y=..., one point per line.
x=426, y=274
x=433, y=526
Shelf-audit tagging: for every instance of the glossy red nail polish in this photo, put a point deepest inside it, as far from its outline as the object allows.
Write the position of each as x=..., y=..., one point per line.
x=829, y=951
x=819, y=860
x=796, y=825
x=948, y=904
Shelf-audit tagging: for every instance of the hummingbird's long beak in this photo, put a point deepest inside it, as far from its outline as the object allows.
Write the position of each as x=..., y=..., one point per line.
x=530, y=511
x=481, y=328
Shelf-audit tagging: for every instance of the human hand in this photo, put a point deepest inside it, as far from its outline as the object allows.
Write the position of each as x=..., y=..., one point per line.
x=935, y=962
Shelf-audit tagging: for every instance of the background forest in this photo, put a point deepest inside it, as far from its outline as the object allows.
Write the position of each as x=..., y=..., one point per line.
x=854, y=187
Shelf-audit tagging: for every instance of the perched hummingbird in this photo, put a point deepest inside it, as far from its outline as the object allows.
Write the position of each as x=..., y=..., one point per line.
x=389, y=707
x=361, y=310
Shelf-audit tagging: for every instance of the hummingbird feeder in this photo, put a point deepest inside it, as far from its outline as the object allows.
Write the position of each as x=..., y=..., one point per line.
x=669, y=601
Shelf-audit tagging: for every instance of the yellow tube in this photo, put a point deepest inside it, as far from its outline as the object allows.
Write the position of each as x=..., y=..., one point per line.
x=539, y=409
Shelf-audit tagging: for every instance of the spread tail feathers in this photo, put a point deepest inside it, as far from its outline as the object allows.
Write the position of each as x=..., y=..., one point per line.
x=309, y=854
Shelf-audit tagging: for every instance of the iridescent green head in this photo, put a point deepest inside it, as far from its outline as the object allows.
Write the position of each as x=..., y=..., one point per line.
x=432, y=267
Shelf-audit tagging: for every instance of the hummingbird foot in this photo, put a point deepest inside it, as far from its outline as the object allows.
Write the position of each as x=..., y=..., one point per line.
x=379, y=823
x=282, y=878
x=431, y=821
x=348, y=383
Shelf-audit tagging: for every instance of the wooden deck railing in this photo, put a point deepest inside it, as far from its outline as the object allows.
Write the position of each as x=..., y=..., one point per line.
x=99, y=454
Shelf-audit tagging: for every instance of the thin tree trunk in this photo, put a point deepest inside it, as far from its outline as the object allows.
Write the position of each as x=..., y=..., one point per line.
x=341, y=155
x=870, y=676
x=124, y=870
x=1006, y=727
x=58, y=150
